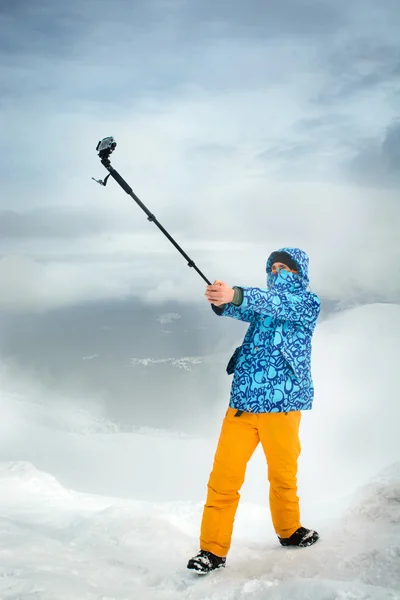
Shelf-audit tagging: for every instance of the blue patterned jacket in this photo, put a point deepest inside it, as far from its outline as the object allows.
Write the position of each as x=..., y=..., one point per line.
x=272, y=367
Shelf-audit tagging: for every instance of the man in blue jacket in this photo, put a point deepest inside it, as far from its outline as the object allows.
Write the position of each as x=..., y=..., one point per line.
x=271, y=385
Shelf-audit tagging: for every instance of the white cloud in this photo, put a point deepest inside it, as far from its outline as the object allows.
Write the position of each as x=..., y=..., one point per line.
x=29, y=285
x=350, y=236
x=211, y=143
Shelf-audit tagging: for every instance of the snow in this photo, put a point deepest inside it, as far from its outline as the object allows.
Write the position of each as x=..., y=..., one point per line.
x=185, y=362
x=168, y=318
x=56, y=543
x=91, y=513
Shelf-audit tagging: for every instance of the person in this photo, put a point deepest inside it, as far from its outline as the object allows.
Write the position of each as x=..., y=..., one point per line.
x=272, y=384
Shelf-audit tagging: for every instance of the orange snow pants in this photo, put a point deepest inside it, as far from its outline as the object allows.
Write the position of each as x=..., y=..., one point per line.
x=240, y=436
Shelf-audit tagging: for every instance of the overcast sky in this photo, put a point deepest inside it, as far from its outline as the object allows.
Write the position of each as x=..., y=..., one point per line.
x=244, y=126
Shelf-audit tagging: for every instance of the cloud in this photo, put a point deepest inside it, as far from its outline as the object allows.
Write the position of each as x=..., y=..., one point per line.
x=359, y=67
x=257, y=18
x=377, y=160
x=62, y=223
x=242, y=128
x=31, y=286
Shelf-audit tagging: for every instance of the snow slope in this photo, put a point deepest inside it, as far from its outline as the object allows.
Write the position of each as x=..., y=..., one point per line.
x=88, y=512
x=56, y=544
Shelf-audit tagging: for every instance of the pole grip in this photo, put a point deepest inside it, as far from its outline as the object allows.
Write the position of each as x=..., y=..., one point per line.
x=127, y=188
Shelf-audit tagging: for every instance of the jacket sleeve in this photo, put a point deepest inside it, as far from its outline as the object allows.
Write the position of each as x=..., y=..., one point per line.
x=303, y=307
x=236, y=312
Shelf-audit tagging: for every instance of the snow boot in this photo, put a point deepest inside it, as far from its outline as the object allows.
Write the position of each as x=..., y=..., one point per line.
x=302, y=537
x=205, y=561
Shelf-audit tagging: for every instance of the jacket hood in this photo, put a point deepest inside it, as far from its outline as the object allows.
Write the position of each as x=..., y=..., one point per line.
x=301, y=259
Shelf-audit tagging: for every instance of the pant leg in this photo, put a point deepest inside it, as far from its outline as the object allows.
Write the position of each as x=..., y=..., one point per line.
x=279, y=435
x=237, y=442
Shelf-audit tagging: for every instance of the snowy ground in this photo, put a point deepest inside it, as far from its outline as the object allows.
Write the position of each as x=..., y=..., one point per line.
x=58, y=544
x=88, y=513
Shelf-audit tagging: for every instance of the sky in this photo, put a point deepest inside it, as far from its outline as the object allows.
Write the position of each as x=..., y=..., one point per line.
x=243, y=127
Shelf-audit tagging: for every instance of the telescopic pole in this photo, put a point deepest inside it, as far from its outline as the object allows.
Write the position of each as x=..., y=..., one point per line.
x=105, y=147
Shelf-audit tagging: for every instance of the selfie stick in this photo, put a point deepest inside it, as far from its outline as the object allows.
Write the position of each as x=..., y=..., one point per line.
x=104, y=148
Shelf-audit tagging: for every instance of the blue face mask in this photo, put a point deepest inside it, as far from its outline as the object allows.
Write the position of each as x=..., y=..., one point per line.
x=284, y=279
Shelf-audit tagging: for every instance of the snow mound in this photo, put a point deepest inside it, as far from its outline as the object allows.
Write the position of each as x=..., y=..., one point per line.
x=19, y=478
x=379, y=500
x=369, y=542
x=352, y=431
